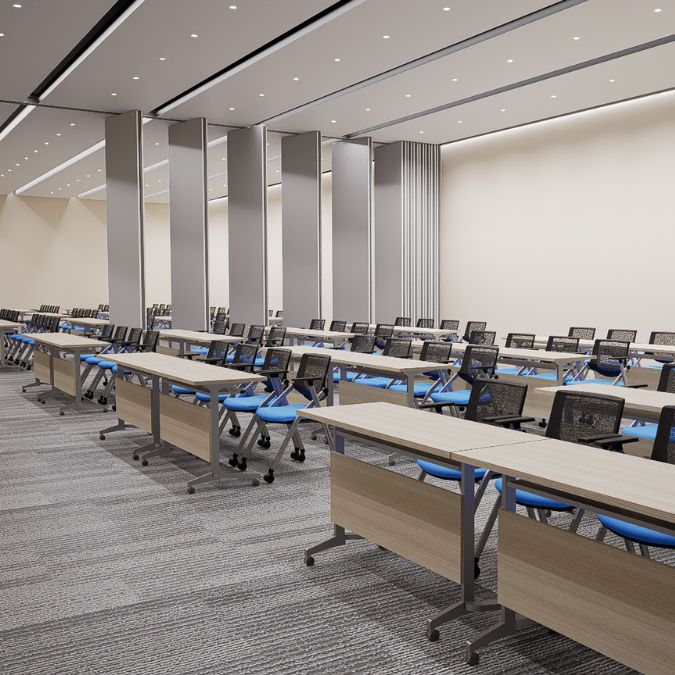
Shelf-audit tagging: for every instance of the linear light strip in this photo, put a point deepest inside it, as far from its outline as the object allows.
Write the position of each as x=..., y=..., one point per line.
x=23, y=113
x=82, y=195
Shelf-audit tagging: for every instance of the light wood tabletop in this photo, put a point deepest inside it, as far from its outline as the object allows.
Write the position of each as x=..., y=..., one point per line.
x=429, y=434
x=639, y=485
x=9, y=325
x=327, y=335
x=88, y=322
x=195, y=336
x=192, y=373
x=635, y=349
x=66, y=341
x=414, y=330
x=528, y=355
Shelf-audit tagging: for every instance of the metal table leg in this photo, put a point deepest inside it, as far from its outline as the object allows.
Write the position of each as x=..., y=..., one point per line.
x=157, y=446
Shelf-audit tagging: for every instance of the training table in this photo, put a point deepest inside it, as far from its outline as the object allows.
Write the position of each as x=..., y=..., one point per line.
x=192, y=428
x=6, y=327
x=185, y=338
x=336, y=338
x=613, y=601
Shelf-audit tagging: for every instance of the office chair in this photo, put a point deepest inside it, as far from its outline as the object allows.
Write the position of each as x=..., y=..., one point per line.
x=482, y=337
x=560, y=343
x=437, y=352
x=582, y=333
x=400, y=348
x=362, y=344
x=644, y=537
x=310, y=383
x=256, y=333
x=115, y=342
x=338, y=326
x=609, y=359
x=276, y=336
x=520, y=340
x=237, y=329
x=130, y=344
x=472, y=326
x=449, y=324
x=360, y=328
x=576, y=417
x=317, y=324
x=425, y=323
x=403, y=321
x=215, y=355
x=383, y=331
x=621, y=334
x=660, y=337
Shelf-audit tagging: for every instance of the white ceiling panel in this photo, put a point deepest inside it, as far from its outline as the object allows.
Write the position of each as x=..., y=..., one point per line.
x=356, y=39
x=534, y=49
x=163, y=29
x=640, y=74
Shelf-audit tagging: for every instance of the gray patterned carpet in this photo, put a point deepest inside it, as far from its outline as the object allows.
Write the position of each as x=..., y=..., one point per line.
x=109, y=567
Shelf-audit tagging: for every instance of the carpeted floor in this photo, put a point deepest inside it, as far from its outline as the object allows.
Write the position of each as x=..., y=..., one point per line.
x=110, y=567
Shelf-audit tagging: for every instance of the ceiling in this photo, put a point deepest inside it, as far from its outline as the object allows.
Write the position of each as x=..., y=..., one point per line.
x=431, y=70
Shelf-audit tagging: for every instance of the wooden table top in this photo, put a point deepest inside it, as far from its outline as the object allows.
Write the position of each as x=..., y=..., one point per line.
x=93, y=323
x=66, y=340
x=196, y=336
x=421, y=432
x=639, y=485
x=328, y=335
x=185, y=371
x=386, y=364
x=634, y=349
x=9, y=325
x=414, y=330
x=529, y=355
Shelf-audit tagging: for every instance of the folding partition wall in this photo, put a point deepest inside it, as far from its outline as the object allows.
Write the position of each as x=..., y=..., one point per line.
x=406, y=231
x=352, y=188
x=124, y=186
x=247, y=216
x=301, y=227
x=189, y=224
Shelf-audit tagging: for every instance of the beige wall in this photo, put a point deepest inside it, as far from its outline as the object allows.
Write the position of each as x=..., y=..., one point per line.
x=566, y=222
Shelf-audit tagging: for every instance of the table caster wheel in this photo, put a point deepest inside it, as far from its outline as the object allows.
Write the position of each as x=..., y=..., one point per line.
x=242, y=466
x=472, y=658
x=255, y=482
x=43, y=401
x=269, y=477
x=433, y=635
x=309, y=561
x=102, y=437
x=135, y=457
x=234, y=460
x=392, y=462
x=61, y=413
x=476, y=569
x=191, y=490
x=144, y=462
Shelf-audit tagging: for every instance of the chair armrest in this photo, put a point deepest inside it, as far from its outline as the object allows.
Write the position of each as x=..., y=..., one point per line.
x=241, y=366
x=273, y=373
x=513, y=419
x=603, y=441
x=187, y=356
x=636, y=386
x=308, y=380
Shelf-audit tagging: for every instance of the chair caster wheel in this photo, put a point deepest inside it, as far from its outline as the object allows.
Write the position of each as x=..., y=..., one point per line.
x=309, y=561
x=135, y=457
x=190, y=490
x=269, y=477
x=115, y=407
x=298, y=455
x=61, y=413
x=433, y=635
x=102, y=437
x=392, y=462
x=144, y=462
x=542, y=424
x=234, y=460
x=264, y=442
x=242, y=466
x=313, y=437
x=43, y=401
x=476, y=569
x=235, y=431
x=255, y=482
x=23, y=390
x=81, y=398
x=105, y=409
x=472, y=658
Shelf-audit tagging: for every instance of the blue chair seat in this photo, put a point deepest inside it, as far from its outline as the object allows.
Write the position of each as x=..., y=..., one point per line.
x=445, y=472
x=598, y=381
x=379, y=382
x=259, y=362
x=106, y=365
x=646, y=432
x=30, y=341
x=535, y=501
x=504, y=370
x=457, y=397
x=245, y=403
x=180, y=390
x=638, y=533
x=115, y=369
x=229, y=358
x=550, y=375
x=349, y=377
x=206, y=398
x=281, y=414
x=199, y=350
x=420, y=389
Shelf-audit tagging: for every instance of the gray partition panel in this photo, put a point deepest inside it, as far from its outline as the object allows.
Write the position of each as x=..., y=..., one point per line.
x=189, y=224
x=388, y=232
x=124, y=186
x=352, y=186
x=247, y=218
x=301, y=227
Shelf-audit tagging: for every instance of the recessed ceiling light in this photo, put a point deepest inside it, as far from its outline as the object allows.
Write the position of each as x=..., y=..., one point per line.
x=17, y=5
x=509, y=60
x=554, y=95
x=46, y=142
x=223, y=158
x=25, y=157
x=147, y=185
x=261, y=94
x=67, y=184
x=113, y=93
x=332, y=122
x=231, y=108
x=367, y=109
x=18, y=164
x=77, y=180
x=59, y=134
x=657, y=10
x=576, y=37
x=503, y=110
x=337, y=60
x=99, y=170
x=232, y=6
x=386, y=37
x=612, y=81
x=52, y=192
x=9, y=170
x=135, y=77
x=194, y=35
x=277, y=171
x=296, y=79
x=421, y=132
x=35, y=151
x=59, y=189
x=455, y=79
x=162, y=58
x=156, y=142
x=88, y=175
x=159, y=180
x=446, y=9
x=210, y=189
x=2, y=35
x=459, y=122
x=72, y=124
x=408, y=95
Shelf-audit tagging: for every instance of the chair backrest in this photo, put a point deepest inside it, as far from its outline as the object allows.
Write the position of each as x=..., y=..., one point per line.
x=219, y=326
x=245, y=354
x=478, y=361
x=314, y=366
x=494, y=398
x=562, y=343
x=237, y=329
x=150, y=340
x=425, y=323
x=360, y=328
x=256, y=333
x=664, y=443
x=53, y=323
x=277, y=359
x=276, y=336
x=134, y=336
x=363, y=344
x=317, y=324
x=582, y=333
x=661, y=337
x=218, y=349
x=438, y=352
x=150, y=318
x=398, y=347
x=120, y=332
x=449, y=324
x=402, y=321
x=482, y=337
x=106, y=331
x=338, y=326
x=623, y=334
x=608, y=352
x=472, y=326
x=667, y=379
x=577, y=414
x=384, y=330
x=520, y=340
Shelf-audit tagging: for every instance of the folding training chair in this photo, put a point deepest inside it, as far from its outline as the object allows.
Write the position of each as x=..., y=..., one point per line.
x=437, y=352
x=403, y=321
x=338, y=326
x=115, y=344
x=610, y=359
x=425, y=323
x=237, y=329
x=400, y=348
x=472, y=326
x=362, y=344
x=317, y=324
x=582, y=333
x=660, y=337
x=216, y=354
x=449, y=324
x=383, y=331
x=621, y=334
x=106, y=368
x=482, y=337
x=276, y=336
x=520, y=340
x=360, y=328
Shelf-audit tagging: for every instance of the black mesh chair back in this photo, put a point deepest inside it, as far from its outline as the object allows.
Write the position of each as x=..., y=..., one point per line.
x=150, y=340
x=255, y=334
x=217, y=353
x=106, y=331
x=608, y=355
x=660, y=337
x=520, y=340
x=317, y=324
x=582, y=333
x=494, y=398
x=120, y=333
x=237, y=329
x=277, y=360
x=449, y=324
x=425, y=323
x=363, y=344
x=360, y=328
x=398, y=348
x=482, y=337
x=149, y=318
x=667, y=379
x=314, y=368
x=338, y=326
x=384, y=330
x=472, y=326
x=622, y=334
x=664, y=443
x=438, y=352
x=219, y=327
x=562, y=343
x=134, y=337
x=478, y=361
x=576, y=415
x=276, y=336
x=245, y=355
x=402, y=321
x=53, y=324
